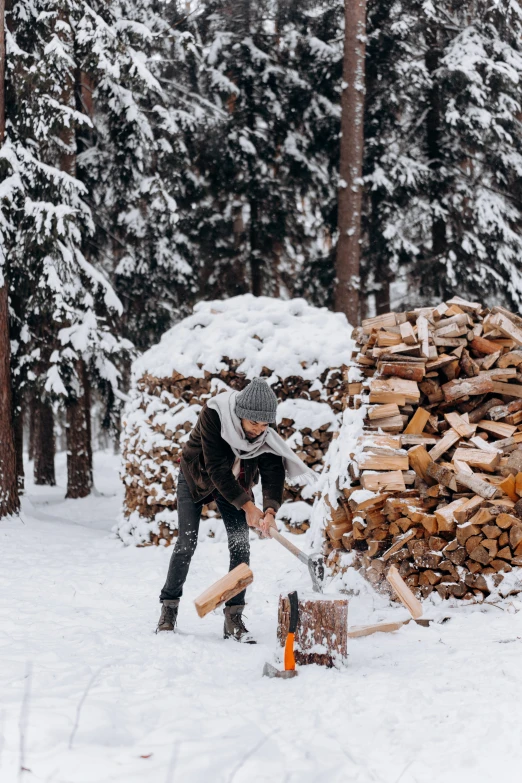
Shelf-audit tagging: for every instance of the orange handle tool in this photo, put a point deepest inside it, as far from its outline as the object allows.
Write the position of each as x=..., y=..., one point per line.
x=289, y=643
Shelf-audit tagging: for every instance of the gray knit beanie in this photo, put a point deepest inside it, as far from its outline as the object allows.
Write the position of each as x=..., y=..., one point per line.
x=257, y=402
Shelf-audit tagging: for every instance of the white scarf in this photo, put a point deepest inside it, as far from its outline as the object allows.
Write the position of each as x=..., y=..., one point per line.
x=269, y=441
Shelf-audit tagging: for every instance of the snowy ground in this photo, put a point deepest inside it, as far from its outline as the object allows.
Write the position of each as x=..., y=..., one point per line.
x=89, y=694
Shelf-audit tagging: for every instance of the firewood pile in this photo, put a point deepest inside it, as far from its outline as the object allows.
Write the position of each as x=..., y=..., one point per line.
x=164, y=406
x=434, y=479
x=151, y=473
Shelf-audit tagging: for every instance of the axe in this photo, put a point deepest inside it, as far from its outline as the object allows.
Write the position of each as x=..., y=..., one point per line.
x=289, y=658
x=315, y=563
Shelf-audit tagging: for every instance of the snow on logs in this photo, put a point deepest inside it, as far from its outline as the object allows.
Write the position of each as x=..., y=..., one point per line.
x=433, y=484
x=299, y=349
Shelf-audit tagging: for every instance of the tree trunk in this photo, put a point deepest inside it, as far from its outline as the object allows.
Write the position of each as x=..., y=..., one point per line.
x=433, y=143
x=31, y=410
x=79, y=449
x=2, y=71
x=44, y=444
x=78, y=412
x=256, y=263
x=19, y=443
x=347, y=267
x=9, y=500
x=382, y=295
x=321, y=636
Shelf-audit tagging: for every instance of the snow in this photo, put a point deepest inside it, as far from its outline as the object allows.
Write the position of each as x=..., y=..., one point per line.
x=295, y=512
x=306, y=413
x=289, y=337
x=360, y=495
x=80, y=661
x=335, y=474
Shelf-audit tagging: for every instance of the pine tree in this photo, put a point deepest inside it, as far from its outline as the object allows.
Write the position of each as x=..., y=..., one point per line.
x=61, y=302
x=44, y=443
x=262, y=172
x=134, y=161
x=474, y=140
x=315, y=36
x=394, y=170
x=9, y=500
x=443, y=147
x=236, y=153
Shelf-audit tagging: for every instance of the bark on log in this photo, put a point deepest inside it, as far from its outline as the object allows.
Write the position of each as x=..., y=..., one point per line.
x=322, y=631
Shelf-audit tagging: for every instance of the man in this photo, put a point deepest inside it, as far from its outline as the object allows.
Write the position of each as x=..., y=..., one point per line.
x=231, y=446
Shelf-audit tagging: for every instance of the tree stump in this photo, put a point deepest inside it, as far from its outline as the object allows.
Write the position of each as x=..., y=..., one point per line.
x=322, y=631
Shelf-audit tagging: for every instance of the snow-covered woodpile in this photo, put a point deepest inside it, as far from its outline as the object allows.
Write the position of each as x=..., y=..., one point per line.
x=426, y=472
x=299, y=349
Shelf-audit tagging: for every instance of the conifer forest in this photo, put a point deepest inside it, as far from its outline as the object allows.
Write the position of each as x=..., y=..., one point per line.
x=158, y=153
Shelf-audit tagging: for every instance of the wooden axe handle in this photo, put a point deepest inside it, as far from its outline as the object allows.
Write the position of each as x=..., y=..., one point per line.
x=288, y=545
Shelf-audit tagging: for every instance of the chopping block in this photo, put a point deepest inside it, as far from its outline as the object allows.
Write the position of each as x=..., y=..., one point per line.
x=322, y=631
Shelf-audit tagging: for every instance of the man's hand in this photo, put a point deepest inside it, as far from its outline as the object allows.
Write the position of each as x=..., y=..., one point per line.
x=253, y=514
x=267, y=522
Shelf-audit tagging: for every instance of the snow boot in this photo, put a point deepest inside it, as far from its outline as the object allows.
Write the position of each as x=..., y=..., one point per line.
x=234, y=627
x=169, y=615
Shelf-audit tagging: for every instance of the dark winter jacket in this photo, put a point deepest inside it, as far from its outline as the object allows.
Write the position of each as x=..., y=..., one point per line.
x=207, y=461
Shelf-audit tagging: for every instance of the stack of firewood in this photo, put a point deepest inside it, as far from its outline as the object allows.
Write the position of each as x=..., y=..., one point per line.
x=161, y=415
x=435, y=479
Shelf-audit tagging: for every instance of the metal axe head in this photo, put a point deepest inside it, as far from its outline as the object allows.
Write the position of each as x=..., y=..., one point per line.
x=316, y=569
x=271, y=671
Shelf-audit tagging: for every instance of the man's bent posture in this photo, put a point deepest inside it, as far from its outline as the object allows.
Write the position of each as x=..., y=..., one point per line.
x=230, y=447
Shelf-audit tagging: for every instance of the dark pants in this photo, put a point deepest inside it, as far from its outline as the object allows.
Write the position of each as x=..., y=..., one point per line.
x=189, y=515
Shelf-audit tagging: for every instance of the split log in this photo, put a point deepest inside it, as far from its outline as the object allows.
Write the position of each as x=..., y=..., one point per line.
x=407, y=334
x=412, y=604
x=507, y=389
x=460, y=425
x=411, y=372
x=478, y=486
x=419, y=460
x=504, y=325
x=389, y=481
x=417, y=422
x=357, y=631
x=486, y=460
x=385, y=461
x=483, y=345
x=449, y=440
x=497, y=428
x=224, y=589
x=455, y=390
x=397, y=387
